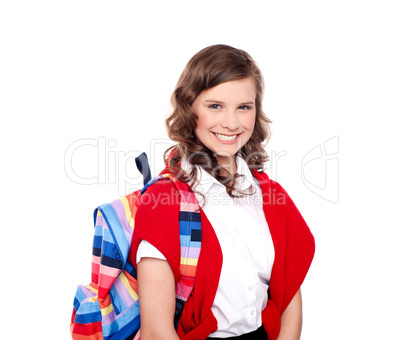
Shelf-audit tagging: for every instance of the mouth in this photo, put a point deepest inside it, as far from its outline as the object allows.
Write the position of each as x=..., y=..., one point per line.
x=226, y=138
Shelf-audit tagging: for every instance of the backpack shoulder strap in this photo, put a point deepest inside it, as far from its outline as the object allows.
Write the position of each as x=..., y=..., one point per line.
x=190, y=240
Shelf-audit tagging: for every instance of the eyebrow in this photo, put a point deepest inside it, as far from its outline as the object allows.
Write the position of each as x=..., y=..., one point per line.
x=219, y=102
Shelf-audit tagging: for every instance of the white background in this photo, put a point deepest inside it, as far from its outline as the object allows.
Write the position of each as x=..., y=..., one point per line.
x=94, y=71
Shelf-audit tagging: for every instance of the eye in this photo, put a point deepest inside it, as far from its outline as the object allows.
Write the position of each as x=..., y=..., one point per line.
x=214, y=106
x=244, y=107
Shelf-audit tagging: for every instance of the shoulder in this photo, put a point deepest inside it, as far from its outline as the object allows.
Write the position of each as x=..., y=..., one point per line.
x=272, y=191
x=281, y=210
x=157, y=221
x=161, y=195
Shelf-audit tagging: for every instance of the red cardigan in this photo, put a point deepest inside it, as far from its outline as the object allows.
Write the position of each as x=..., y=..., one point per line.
x=157, y=221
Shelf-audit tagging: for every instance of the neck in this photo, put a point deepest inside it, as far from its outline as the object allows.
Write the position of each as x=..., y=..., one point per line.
x=228, y=163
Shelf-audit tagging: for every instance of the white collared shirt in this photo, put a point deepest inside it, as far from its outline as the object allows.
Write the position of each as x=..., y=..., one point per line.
x=247, y=248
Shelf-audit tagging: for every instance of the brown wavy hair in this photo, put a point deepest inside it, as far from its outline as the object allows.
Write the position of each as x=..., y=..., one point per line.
x=208, y=68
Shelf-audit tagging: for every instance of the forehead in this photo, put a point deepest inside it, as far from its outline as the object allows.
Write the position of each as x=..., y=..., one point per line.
x=241, y=90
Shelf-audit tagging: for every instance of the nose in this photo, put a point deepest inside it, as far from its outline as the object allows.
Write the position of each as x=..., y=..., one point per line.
x=230, y=120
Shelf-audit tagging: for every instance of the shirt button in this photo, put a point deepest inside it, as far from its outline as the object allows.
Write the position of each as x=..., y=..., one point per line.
x=252, y=312
x=250, y=287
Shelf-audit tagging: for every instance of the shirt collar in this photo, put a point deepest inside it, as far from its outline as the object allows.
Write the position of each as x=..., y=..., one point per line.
x=248, y=180
x=206, y=181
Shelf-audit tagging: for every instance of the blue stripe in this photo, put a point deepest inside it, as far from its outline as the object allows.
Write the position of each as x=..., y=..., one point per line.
x=126, y=331
x=151, y=181
x=107, y=236
x=79, y=297
x=130, y=317
x=88, y=312
x=116, y=229
x=195, y=225
x=97, y=242
x=190, y=216
x=129, y=267
x=112, y=299
x=131, y=270
x=185, y=240
x=95, y=215
x=96, y=252
x=196, y=235
x=77, y=303
x=98, y=230
x=118, y=303
x=110, y=250
x=88, y=317
x=111, y=262
x=185, y=228
x=195, y=244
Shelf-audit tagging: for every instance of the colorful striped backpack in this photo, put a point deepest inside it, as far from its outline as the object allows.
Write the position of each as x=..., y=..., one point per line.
x=108, y=308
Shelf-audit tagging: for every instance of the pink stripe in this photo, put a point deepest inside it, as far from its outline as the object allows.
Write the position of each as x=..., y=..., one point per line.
x=106, y=281
x=95, y=268
x=188, y=197
x=96, y=259
x=109, y=271
x=193, y=253
x=183, y=286
x=191, y=207
x=121, y=214
x=183, y=291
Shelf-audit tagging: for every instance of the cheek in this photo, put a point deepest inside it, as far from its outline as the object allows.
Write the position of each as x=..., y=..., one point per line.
x=249, y=122
x=205, y=121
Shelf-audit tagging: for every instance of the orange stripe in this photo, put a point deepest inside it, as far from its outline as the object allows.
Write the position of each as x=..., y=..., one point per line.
x=93, y=285
x=132, y=282
x=188, y=270
x=103, y=303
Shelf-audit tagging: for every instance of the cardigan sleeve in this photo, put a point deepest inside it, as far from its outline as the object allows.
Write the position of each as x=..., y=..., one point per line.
x=299, y=250
x=294, y=251
x=157, y=221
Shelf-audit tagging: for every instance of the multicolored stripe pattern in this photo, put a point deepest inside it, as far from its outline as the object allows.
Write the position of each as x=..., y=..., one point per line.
x=108, y=308
x=190, y=235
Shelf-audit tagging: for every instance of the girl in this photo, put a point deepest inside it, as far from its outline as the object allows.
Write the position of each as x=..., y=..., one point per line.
x=256, y=247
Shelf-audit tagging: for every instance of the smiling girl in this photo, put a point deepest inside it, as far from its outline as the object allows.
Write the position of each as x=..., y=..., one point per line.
x=256, y=247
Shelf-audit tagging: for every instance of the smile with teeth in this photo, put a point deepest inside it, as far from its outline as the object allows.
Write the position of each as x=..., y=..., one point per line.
x=225, y=137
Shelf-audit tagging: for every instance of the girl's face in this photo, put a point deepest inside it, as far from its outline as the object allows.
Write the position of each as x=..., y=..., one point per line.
x=226, y=117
